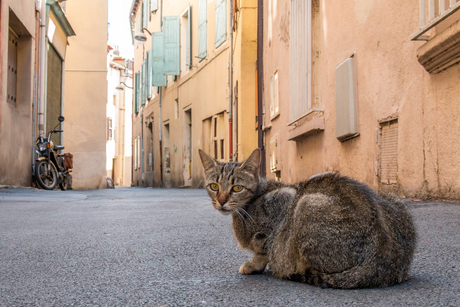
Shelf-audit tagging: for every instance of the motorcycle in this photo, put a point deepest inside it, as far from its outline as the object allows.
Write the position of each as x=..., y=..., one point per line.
x=51, y=166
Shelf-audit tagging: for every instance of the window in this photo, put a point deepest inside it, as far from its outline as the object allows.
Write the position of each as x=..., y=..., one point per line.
x=202, y=30
x=139, y=152
x=136, y=93
x=221, y=22
x=218, y=137
x=300, y=59
x=274, y=96
x=154, y=5
x=109, y=129
x=185, y=41
x=135, y=154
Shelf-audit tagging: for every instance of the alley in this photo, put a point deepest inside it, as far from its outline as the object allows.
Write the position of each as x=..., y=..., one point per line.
x=169, y=247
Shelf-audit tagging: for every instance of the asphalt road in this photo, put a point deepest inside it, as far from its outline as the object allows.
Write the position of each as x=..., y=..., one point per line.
x=154, y=247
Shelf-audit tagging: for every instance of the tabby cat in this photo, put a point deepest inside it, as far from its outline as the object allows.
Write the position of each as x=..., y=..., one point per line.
x=328, y=231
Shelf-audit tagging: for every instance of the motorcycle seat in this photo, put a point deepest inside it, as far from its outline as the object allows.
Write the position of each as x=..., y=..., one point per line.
x=58, y=147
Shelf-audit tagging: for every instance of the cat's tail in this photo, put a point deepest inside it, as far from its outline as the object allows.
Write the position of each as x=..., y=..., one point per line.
x=363, y=276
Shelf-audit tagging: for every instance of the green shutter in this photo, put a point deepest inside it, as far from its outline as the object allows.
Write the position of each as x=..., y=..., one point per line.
x=145, y=12
x=148, y=83
x=221, y=22
x=172, y=45
x=143, y=84
x=136, y=93
x=159, y=76
x=202, y=30
x=150, y=73
x=154, y=5
x=188, y=51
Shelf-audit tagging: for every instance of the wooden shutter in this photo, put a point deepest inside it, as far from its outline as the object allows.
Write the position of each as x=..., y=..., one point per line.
x=159, y=76
x=171, y=27
x=154, y=5
x=148, y=70
x=136, y=93
x=389, y=152
x=221, y=22
x=202, y=30
x=143, y=84
x=188, y=51
x=145, y=12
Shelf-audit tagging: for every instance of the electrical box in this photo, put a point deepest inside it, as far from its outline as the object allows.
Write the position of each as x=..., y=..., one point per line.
x=346, y=100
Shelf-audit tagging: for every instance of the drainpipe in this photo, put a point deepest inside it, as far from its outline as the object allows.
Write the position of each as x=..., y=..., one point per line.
x=230, y=90
x=260, y=83
x=161, y=141
x=42, y=73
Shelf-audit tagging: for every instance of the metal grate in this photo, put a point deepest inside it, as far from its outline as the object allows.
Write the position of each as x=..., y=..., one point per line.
x=53, y=93
x=389, y=152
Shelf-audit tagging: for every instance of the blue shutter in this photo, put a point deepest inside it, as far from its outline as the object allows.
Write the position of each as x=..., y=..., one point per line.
x=221, y=22
x=136, y=93
x=154, y=5
x=172, y=45
x=202, y=30
x=158, y=56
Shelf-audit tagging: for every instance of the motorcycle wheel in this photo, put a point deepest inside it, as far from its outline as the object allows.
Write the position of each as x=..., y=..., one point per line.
x=47, y=180
x=67, y=184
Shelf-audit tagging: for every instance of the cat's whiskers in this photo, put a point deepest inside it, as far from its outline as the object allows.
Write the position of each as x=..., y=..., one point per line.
x=246, y=213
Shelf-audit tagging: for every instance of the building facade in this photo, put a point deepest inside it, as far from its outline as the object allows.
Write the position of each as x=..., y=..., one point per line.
x=184, y=89
x=119, y=118
x=34, y=38
x=368, y=88
x=86, y=92
x=47, y=71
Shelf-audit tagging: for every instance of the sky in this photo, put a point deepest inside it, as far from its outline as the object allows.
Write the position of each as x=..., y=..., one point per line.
x=119, y=27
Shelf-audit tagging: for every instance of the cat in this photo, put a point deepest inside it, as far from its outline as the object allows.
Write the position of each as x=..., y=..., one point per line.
x=329, y=231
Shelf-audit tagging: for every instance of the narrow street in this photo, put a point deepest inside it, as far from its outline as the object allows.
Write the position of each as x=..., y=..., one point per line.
x=159, y=247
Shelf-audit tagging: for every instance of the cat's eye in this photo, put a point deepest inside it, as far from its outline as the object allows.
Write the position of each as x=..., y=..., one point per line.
x=214, y=186
x=237, y=188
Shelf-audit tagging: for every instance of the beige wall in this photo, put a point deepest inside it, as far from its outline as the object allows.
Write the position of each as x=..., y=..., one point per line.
x=203, y=90
x=16, y=144
x=86, y=91
x=244, y=68
x=391, y=83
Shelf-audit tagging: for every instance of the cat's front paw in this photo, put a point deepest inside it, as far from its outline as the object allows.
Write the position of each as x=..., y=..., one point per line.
x=251, y=268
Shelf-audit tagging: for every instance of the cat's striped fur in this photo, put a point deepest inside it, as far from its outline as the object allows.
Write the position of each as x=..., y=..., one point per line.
x=329, y=231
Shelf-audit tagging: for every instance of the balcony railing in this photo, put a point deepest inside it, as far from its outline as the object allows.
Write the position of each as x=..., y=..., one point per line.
x=438, y=10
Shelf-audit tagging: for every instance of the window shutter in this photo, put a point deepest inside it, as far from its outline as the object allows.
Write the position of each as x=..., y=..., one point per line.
x=159, y=76
x=172, y=45
x=143, y=84
x=154, y=5
x=221, y=22
x=136, y=93
x=148, y=70
x=188, y=55
x=202, y=30
x=145, y=11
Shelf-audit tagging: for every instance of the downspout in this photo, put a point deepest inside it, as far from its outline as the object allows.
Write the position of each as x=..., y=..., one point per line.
x=36, y=68
x=230, y=90
x=42, y=67
x=260, y=84
x=159, y=107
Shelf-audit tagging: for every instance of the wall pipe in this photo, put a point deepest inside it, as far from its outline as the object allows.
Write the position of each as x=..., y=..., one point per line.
x=42, y=68
x=260, y=84
x=230, y=90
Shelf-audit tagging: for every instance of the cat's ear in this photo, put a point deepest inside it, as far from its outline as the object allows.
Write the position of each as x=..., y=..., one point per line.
x=208, y=162
x=253, y=162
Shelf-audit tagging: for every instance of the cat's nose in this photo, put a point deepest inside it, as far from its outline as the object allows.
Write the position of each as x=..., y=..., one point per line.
x=223, y=198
